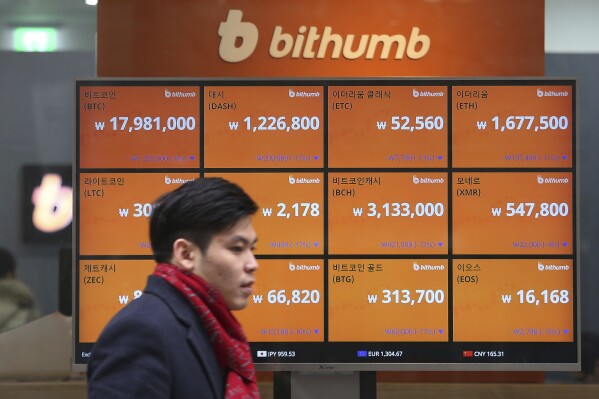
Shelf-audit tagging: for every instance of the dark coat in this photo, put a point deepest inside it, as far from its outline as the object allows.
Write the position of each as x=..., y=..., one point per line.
x=155, y=347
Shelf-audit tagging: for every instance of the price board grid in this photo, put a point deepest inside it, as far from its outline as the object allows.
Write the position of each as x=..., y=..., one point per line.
x=447, y=203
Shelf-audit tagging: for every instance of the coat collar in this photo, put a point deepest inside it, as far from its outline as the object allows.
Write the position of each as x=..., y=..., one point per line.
x=196, y=334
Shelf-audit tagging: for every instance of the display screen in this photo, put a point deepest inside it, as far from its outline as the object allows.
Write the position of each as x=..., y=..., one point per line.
x=47, y=204
x=403, y=224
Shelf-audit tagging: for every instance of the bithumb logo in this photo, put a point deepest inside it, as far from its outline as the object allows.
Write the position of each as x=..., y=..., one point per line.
x=168, y=180
x=230, y=31
x=416, y=93
x=293, y=93
x=303, y=180
x=418, y=267
x=551, y=93
x=427, y=180
x=52, y=204
x=179, y=94
x=552, y=180
x=542, y=267
x=293, y=267
x=239, y=40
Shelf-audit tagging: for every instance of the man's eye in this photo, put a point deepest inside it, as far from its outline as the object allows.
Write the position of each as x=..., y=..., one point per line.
x=237, y=249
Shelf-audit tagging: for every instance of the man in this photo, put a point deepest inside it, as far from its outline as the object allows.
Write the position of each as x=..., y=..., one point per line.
x=179, y=339
x=17, y=303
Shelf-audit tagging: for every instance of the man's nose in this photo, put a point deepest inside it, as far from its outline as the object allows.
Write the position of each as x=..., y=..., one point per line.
x=252, y=264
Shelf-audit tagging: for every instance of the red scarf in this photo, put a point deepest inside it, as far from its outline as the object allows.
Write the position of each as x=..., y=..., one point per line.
x=230, y=344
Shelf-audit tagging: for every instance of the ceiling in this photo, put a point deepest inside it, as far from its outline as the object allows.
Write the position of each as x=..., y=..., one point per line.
x=60, y=12
x=75, y=21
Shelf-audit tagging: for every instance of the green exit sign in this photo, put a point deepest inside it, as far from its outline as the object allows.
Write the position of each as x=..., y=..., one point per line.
x=35, y=39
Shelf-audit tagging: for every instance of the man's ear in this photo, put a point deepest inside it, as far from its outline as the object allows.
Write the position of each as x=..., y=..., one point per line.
x=184, y=254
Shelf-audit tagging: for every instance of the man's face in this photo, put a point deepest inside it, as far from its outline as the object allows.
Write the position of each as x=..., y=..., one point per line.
x=229, y=263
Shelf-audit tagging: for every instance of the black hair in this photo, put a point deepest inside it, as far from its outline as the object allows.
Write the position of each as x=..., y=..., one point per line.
x=7, y=263
x=196, y=211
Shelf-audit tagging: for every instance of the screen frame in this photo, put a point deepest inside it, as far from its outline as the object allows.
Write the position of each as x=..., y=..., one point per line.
x=373, y=366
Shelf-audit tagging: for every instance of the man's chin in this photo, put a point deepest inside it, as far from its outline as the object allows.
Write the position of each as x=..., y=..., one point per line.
x=239, y=305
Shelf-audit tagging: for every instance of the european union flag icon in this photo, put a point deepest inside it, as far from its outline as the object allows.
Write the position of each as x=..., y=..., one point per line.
x=362, y=354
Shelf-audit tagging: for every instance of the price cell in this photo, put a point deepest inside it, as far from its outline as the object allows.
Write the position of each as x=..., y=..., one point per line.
x=264, y=127
x=520, y=300
x=388, y=213
x=287, y=304
x=512, y=126
x=512, y=213
x=388, y=300
x=290, y=216
x=114, y=210
x=139, y=127
x=105, y=287
x=388, y=126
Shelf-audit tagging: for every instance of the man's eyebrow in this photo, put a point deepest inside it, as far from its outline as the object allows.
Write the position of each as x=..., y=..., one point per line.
x=243, y=239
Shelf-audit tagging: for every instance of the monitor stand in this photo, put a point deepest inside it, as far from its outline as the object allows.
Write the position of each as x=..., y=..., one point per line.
x=324, y=385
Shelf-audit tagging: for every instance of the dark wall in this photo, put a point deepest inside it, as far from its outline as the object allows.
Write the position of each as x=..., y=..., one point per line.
x=36, y=127
x=584, y=68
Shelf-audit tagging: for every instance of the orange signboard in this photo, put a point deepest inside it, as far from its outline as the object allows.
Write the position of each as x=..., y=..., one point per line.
x=271, y=38
x=508, y=300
